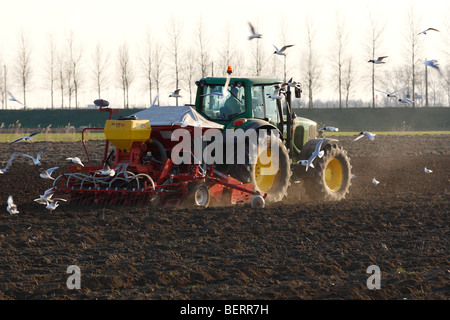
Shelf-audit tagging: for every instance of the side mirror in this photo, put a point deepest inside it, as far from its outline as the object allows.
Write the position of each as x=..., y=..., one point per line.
x=298, y=92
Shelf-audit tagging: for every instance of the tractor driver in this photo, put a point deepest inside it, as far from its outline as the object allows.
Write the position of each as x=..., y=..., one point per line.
x=233, y=106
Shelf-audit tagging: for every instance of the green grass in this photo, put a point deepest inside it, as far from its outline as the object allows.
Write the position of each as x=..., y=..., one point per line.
x=389, y=133
x=54, y=137
x=76, y=137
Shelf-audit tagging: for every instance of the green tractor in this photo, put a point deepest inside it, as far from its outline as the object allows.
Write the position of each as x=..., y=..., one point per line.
x=265, y=103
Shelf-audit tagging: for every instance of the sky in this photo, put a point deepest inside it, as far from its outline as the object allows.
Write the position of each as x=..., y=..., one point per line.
x=112, y=22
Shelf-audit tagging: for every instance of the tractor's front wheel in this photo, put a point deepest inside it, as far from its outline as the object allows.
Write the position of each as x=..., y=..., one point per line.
x=332, y=176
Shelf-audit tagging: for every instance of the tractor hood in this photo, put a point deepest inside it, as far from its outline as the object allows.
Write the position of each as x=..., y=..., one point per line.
x=183, y=116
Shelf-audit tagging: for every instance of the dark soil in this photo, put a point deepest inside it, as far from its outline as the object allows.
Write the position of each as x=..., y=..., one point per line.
x=296, y=249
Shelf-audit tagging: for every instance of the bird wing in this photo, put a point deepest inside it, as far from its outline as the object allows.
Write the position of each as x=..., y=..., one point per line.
x=32, y=134
x=10, y=201
x=26, y=155
x=8, y=164
x=382, y=91
x=433, y=29
x=381, y=58
x=17, y=140
x=276, y=48
x=40, y=153
x=49, y=171
x=177, y=91
x=252, y=29
x=358, y=137
x=319, y=145
x=285, y=47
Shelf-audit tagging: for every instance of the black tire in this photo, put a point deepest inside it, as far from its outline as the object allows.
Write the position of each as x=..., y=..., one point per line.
x=328, y=186
x=250, y=173
x=198, y=195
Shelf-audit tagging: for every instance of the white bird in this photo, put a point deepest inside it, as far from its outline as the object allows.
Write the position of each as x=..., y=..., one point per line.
x=305, y=163
x=375, y=181
x=44, y=198
x=25, y=138
x=8, y=164
x=47, y=173
x=37, y=160
x=427, y=170
x=106, y=171
x=14, y=99
x=175, y=94
x=76, y=160
x=434, y=64
x=429, y=29
x=281, y=51
x=317, y=153
x=53, y=204
x=389, y=94
x=329, y=128
x=405, y=100
x=254, y=33
x=275, y=94
x=371, y=136
x=379, y=60
x=12, y=208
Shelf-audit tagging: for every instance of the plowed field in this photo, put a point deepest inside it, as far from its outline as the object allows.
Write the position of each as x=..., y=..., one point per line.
x=296, y=249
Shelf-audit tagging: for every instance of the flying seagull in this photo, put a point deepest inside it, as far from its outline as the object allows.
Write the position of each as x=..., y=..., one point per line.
x=12, y=208
x=329, y=128
x=379, y=60
x=434, y=64
x=371, y=136
x=14, y=99
x=106, y=171
x=375, y=181
x=254, y=33
x=275, y=94
x=44, y=198
x=389, y=94
x=26, y=138
x=281, y=51
x=305, y=163
x=317, y=153
x=47, y=173
x=427, y=170
x=175, y=94
x=429, y=29
x=8, y=164
x=37, y=160
x=52, y=204
x=76, y=160
x=405, y=100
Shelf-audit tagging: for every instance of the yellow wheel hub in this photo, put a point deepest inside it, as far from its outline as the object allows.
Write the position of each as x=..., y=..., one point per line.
x=265, y=176
x=334, y=175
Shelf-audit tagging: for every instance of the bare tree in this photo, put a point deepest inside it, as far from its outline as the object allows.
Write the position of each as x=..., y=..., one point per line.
x=75, y=54
x=338, y=56
x=203, y=45
x=313, y=69
x=348, y=81
x=229, y=54
x=101, y=61
x=190, y=67
x=258, y=55
x=51, y=67
x=158, y=68
x=3, y=93
x=126, y=72
x=375, y=33
x=61, y=75
x=284, y=37
x=174, y=31
x=23, y=70
x=147, y=63
x=413, y=45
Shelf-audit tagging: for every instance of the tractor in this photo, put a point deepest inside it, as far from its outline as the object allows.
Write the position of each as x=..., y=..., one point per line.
x=148, y=166
x=265, y=104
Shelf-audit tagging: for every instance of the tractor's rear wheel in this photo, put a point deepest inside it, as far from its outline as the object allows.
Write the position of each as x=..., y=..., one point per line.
x=266, y=173
x=332, y=177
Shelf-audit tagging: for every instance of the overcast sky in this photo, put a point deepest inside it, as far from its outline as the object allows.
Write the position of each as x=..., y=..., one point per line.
x=114, y=21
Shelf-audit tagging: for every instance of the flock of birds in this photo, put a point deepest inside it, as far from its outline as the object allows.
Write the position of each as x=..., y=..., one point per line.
x=46, y=198
x=429, y=63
